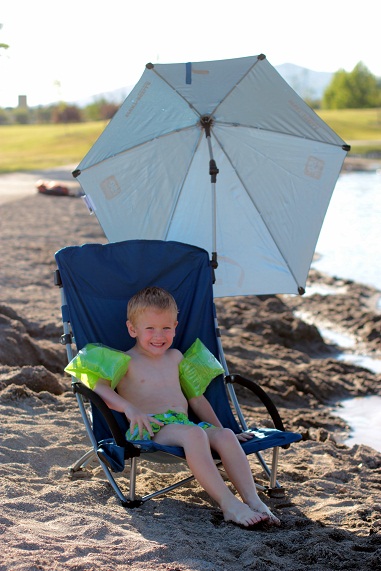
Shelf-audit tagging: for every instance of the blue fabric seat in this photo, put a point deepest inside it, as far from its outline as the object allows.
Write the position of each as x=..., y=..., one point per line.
x=96, y=283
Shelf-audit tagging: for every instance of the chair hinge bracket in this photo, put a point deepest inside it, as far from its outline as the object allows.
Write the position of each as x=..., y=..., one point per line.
x=66, y=339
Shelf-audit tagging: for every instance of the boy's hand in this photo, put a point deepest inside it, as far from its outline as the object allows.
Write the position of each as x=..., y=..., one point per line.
x=143, y=421
x=244, y=436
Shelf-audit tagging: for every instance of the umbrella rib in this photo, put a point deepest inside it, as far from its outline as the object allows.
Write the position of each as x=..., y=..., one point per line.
x=177, y=92
x=234, y=87
x=256, y=207
x=292, y=135
x=156, y=137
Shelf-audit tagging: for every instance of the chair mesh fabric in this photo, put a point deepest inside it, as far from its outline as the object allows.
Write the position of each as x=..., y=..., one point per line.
x=99, y=280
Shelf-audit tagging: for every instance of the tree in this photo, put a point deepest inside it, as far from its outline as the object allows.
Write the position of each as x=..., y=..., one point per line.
x=357, y=89
x=64, y=113
x=21, y=116
x=101, y=110
x=4, y=117
x=43, y=114
x=3, y=46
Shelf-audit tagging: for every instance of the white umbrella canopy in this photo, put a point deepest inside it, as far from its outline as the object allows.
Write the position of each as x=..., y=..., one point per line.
x=223, y=155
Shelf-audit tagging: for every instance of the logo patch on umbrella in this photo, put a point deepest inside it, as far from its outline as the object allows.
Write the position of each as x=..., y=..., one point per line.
x=110, y=187
x=189, y=70
x=314, y=167
x=138, y=98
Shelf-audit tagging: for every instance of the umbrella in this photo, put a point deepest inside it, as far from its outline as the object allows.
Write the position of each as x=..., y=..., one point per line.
x=223, y=155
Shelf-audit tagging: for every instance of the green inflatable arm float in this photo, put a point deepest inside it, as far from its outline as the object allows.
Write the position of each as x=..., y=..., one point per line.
x=96, y=361
x=198, y=368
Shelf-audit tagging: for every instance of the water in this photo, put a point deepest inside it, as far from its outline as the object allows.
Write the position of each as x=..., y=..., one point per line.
x=363, y=414
x=350, y=248
x=350, y=239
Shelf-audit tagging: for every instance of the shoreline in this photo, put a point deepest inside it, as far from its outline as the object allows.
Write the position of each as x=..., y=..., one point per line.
x=360, y=164
x=19, y=185
x=362, y=416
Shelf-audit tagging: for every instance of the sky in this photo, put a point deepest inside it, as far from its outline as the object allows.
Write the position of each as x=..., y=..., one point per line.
x=72, y=50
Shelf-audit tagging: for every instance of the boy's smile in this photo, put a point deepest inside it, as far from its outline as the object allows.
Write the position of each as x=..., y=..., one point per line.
x=153, y=330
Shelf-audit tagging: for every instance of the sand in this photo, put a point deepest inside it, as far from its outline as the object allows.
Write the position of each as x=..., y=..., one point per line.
x=331, y=511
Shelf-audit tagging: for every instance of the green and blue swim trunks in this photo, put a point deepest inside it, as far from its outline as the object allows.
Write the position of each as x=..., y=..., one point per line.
x=169, y=417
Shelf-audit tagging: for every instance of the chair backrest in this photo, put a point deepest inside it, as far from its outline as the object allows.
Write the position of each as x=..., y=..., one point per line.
x=99, y=280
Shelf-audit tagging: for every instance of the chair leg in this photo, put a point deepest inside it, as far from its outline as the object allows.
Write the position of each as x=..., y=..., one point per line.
x=167, y=489
x=134, y=501
x=126, y=502
x=134, y=464
x=83, y=461
x=274, y=488
x=274, y=467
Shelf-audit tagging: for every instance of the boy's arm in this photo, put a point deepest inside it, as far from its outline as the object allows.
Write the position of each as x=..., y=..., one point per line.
x=111, y=397
x=118, y=403
x=203, y=409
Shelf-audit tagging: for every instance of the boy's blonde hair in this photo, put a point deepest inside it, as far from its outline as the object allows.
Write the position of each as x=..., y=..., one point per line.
x=150, y=298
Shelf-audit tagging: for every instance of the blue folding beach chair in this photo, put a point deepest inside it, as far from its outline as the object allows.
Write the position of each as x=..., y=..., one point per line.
x=96, y=283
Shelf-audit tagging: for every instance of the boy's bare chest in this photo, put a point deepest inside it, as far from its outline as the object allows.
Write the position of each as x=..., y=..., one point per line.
x=153, y=386
x=157, y=374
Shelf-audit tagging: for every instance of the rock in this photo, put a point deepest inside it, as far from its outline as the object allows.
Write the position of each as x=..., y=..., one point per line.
x=37, y=379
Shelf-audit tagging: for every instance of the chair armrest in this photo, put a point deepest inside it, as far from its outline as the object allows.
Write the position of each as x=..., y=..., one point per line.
x=117, y=433
x=262, y=395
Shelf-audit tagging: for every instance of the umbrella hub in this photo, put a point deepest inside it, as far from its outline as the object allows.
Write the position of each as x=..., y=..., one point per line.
x=206, y=121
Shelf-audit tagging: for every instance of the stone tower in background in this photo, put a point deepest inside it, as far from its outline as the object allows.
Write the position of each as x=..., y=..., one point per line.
x=22, y=102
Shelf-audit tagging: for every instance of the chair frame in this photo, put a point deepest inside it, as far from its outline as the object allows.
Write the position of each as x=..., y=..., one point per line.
x=133, y=452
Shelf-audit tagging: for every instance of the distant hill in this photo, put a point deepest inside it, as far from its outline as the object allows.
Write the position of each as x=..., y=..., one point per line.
x=116, y=96
x=307, y=83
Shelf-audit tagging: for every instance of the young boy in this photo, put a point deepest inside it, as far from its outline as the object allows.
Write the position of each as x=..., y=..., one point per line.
x=151, y=387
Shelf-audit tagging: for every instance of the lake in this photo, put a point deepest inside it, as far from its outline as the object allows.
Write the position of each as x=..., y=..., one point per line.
x=363, y=414
x=349, y=247
x=350, y=239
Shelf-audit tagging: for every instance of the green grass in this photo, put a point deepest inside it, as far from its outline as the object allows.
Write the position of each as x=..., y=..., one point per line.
x=35, y=147
x=360, y=128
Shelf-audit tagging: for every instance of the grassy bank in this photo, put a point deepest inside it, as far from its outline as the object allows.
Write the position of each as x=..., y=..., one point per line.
x=360, y=128
x=32, y=147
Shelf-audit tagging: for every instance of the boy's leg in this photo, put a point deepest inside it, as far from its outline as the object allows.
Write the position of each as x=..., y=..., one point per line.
x=237, y=467
x=196, y=446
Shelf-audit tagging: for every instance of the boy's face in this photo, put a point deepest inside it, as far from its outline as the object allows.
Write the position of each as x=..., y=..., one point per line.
x=153, y=330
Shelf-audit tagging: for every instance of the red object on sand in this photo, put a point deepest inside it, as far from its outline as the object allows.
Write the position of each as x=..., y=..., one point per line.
x=52, y=187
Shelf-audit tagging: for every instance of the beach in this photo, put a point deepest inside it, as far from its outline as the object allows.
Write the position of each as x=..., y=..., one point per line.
x=331, y=510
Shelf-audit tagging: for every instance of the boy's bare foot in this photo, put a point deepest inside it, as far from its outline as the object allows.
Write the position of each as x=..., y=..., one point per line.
x=242, y=514
x=259, y=507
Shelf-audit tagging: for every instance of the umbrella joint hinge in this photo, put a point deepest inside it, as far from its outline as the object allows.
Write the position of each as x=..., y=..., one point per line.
x=214, y=266
x=213, y=261
x=213, y=170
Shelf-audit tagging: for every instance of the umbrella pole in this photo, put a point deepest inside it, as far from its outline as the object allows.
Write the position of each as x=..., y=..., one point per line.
x=206, y=122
